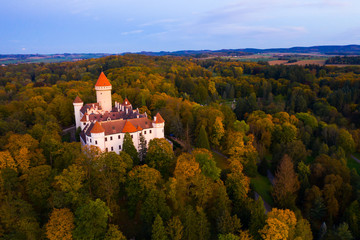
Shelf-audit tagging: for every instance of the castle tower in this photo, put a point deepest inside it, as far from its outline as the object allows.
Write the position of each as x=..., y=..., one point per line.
x=78, y=103
x=159, y=124
x=103, y=92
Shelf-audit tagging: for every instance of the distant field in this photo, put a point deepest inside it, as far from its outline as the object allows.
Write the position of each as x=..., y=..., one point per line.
x=300, y=63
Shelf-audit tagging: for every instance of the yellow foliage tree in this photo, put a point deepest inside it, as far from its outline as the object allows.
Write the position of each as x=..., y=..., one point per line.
x=60, y=225
x=23, y=159
x=279, y=225
x=6, y=160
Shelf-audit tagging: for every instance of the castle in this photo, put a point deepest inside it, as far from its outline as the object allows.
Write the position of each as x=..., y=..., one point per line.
x=104, y=126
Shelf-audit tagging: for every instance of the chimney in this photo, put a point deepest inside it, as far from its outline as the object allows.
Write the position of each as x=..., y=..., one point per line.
x=87, y=117
x=127, y=110
x=154, y=119
x=137, y=116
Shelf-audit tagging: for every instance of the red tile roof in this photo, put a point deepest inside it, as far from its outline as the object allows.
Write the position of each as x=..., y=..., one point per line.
x=159, y=119
x=83, y=119
x=126, y=102
x=77, y=100
x=97, y=128
x=129, y=128
x=139, y=128
x=102, y=81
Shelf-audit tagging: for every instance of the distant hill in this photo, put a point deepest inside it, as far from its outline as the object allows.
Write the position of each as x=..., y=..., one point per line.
x=327, y=50
x=68, y=57
x=47, y=58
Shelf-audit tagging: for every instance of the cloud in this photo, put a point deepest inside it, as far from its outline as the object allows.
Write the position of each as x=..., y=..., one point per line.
x=24, y=49
x=158, y=22
x=132, y=32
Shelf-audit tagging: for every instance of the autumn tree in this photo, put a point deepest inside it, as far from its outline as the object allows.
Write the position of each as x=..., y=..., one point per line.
x=113, y=233
x=60, y=225
x=161, y=156
x=141, y=181
x=175, y=228
x=286, y=184
x=158, y=229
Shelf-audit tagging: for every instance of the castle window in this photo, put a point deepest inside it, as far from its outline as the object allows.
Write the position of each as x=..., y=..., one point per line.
x=163, y=130
x=105, y=139
x=119, y=147
x=132, y=136
x=106, y=150
x=112, y=148
x=110, y=138
x=144, y=132
x=95, y=142
x=140, y=134
x=84, y=124
x=150, y=131
x=118, y=136
x=90, y=139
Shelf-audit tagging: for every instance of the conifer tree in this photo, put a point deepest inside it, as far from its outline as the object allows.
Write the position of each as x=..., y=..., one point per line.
x=158, y=229
x=143, y=149
x=202, y=140
x=129, y=148
x=175, y=229
x=286, y=184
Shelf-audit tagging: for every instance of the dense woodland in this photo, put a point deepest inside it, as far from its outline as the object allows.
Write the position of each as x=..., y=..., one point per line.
x=299, y=123
x=343, y=60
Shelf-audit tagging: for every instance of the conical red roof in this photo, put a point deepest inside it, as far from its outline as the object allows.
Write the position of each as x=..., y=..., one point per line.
x=77, y=100
x=102, y=81
x=159, y=118
x=97, y=128
x=126, y=102
x=129, y=127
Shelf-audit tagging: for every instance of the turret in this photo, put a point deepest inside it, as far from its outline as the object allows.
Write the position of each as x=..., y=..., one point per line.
x=78, y=103
x=103, y=92
x=159, y=124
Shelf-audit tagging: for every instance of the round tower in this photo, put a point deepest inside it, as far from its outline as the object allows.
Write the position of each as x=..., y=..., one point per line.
x=78, y=103
x=103, y=92
x=158, y=124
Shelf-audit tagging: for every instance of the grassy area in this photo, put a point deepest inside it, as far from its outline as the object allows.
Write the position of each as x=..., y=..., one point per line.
x=357, y=155
x=351, y=163
x=262, y=186
x=221, y=161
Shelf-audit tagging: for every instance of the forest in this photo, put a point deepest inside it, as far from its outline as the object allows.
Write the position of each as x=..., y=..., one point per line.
x=344, y=60
x=259, y=152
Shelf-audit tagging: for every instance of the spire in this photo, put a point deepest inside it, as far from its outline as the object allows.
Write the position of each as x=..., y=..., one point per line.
x=126, y=102
x=77, y=100
x=102, y=81
x=158, y=118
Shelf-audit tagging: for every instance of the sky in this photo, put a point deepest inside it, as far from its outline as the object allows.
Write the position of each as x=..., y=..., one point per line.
x=117, y=26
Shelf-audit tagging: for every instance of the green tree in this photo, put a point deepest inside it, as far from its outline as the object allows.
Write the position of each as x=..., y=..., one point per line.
x=38, y=185
x=142, y=148
x=161, y=156
x=175, y=229
x=258, y=218
x=207, y=163
x=91, y=220
x=129, y=148
x=113, y=233
x=202, y=140
x=158, y=229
